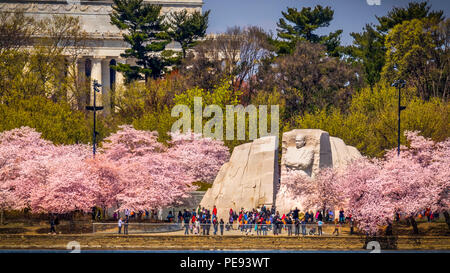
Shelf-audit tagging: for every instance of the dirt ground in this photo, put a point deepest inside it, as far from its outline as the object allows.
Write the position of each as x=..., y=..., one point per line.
x=22, y=235
x=180, y=242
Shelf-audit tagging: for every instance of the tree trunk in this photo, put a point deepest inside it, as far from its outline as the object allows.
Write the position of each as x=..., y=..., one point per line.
x=407, y=221
x=389, y=230
x=447, y=218
x=414, y=225
x=104, y=213
x=2, y=217
x=71, y=222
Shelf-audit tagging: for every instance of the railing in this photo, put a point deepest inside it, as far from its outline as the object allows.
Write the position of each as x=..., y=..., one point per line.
x=211, y=229
x=136, y=227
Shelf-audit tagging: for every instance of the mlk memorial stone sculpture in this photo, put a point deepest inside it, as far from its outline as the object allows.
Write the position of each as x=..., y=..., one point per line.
x=306, y=151
x=251, y=178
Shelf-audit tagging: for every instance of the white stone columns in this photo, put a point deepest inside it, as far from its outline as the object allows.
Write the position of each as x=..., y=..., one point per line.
x=101, y=71
x=81, y=63
x=120, y=79
x=106, y=85
x=106, y=81
x=96, y=74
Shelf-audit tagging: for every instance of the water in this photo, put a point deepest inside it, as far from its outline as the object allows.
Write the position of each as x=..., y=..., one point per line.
x=216, y=251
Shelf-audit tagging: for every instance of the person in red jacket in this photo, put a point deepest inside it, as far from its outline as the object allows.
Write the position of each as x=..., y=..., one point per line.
x=214, y=211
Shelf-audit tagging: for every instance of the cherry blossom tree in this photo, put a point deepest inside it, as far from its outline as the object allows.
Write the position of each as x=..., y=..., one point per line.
x=59, y=181
x=201, y=157
x=7, y=172
x=428, y=164
x=441, y=169
x=108, y=180
x=324, y=192
x=132, y=169
x=151, y=178
x=407, y=184
x=364, y=195
x=17, y=147
x=43, y=177
x=128, y=143
x=155, y=181
x=157, y=175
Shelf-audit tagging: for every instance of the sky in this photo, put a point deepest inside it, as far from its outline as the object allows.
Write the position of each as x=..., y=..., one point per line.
x=349, y=15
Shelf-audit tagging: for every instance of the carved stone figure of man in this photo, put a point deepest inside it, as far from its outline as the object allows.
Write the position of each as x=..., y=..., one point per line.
x=299, y=157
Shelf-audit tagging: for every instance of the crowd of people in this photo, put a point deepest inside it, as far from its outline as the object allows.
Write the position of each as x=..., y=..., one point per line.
x=261, y=221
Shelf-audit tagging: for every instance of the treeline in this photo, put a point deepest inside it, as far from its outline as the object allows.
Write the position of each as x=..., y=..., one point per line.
x=316, y=81
x=39, y=83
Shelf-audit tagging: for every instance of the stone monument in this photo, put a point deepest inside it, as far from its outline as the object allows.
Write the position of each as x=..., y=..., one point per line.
x=306, y=151
x=309, y=150
x=248, y=180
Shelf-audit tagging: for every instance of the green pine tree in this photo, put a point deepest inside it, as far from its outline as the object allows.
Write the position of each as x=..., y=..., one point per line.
x=368, y=49
x=415, y=10
x=186, y=28
x=147, y=36
x=301, y=25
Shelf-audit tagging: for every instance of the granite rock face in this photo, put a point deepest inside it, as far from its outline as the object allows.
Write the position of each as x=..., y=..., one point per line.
x=309, y=150
x=341, y=153
x=306, y=151
x=251, y=178
x=248, y=180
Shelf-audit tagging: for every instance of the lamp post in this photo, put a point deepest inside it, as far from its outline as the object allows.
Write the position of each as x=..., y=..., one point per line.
x=399, y=84
x=94, y=108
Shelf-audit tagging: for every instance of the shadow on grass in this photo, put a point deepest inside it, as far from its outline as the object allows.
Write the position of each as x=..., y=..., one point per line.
x=12, y=230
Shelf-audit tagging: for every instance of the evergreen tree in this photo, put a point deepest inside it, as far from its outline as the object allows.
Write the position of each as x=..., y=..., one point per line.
x=147, y=36
x=186, y=28
x=420, y=50
x=301, y=25
x=415, y=10
x=368, y=49
x=369, y=46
